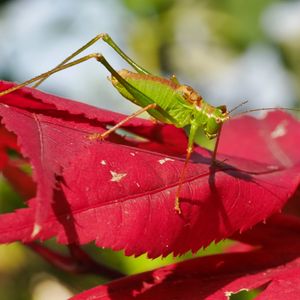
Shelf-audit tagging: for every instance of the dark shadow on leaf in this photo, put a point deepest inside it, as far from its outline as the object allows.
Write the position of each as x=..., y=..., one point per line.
x=64, y=214
x=216, y=198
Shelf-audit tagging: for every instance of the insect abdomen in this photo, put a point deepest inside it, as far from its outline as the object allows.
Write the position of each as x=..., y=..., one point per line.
x=162, y=91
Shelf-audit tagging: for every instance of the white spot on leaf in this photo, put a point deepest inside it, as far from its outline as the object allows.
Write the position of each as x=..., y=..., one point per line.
x=103, y=162
x=132, y=154
x=229, y=294
x=164, y=160
x=272, y=167
x=279, y=131
x=36, y=229
x=117, y=177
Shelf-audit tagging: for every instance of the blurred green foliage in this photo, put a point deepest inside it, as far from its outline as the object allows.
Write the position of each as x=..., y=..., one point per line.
x=245, y=295
x=215, y=29
x=242, y=26
x=148, y=8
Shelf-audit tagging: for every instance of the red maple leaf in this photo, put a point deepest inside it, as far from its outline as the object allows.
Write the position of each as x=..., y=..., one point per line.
x=120, y=192
x=273, y=271
x=122, y=196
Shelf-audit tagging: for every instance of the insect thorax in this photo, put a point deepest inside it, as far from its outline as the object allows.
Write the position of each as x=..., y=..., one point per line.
x=211, y=118
x=190, y=95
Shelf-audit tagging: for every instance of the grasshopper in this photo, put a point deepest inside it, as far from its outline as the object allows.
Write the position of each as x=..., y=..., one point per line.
x=166, y=100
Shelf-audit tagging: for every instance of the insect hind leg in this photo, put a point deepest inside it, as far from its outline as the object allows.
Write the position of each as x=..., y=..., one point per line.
x=107, y=39
x=52, y=71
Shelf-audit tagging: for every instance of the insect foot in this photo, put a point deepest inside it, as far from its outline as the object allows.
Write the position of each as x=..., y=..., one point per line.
x=96, y=136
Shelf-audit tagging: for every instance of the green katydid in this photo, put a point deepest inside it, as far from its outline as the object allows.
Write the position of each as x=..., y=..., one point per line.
x=166, y=100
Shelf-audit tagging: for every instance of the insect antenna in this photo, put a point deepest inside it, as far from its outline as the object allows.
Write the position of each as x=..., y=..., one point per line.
x=238, y=106
x=266, y=108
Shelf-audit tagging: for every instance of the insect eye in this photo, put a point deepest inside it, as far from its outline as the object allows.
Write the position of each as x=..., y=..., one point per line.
x=218, y=120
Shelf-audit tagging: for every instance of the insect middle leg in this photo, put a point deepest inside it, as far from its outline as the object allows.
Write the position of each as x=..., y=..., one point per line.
x=107, y=39
x=104, y=135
